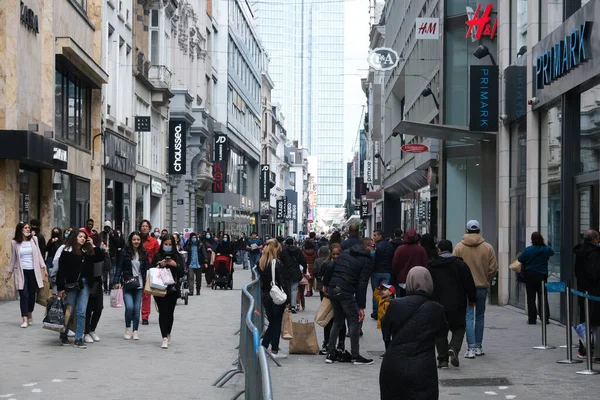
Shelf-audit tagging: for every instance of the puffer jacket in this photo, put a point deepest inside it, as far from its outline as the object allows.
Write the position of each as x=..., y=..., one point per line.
x=452, y=283
x=479, y=256
x=384, y=253
x=291, y=259
x=382, y=305
x=351, y=272
x=310, y=255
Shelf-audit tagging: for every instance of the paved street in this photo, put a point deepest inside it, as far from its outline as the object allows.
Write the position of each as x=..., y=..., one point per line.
x=35, y=365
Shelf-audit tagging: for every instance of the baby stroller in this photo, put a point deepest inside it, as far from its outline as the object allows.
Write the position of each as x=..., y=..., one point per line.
x=184, y=287
x=223, y=272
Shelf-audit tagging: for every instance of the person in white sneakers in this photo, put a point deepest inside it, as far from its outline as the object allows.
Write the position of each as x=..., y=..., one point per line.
x=131, y=273
x=481, y=259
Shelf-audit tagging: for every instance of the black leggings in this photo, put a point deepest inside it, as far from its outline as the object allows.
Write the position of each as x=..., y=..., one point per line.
x=94, y=310
x=28, y=294
x=166, y=312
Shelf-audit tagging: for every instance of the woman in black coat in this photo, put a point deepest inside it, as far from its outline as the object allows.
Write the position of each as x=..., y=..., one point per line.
x=408, y=370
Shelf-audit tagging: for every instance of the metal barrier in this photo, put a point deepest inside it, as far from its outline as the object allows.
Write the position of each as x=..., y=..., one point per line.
x=544, y=345
x=252, y=357
x=563, y=287
x=588, y=334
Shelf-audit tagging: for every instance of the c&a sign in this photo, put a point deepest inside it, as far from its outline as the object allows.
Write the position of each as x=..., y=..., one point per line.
x=220, y=164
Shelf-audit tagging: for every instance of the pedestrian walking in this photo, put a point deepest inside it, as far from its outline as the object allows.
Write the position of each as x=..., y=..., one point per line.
x=453, y=287
x=382, y=267
x=353, y=238
x=254, y=247
x=74, y=277
x=130, y=275
x=535, y=261
x=384, y=294
x=347, y=289
x=310, y=255
x=274, y=311
x=242, y=244
x=481, y=259
x=152, y=247
x=52, y=245
x=293, y=266
x=95, y=303
x=28, y=268
x=168, y=257
x=407, y=256
x=196, y=262
x=428, y=243
x=36, y=230
x=408, y=370
x=336, y=237
x=211, y=246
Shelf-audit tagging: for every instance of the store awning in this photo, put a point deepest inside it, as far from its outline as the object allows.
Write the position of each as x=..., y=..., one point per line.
x=34, y=149
x=443, y=132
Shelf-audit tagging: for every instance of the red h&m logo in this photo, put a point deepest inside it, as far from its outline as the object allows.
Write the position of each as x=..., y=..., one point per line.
x=480, y=26
x=428, y=28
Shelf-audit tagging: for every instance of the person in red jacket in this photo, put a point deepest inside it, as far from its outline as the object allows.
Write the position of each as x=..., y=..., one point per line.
x=152, y=247
x=408, y=255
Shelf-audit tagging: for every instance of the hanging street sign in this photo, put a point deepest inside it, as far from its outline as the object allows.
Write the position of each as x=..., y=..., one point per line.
x=415, y=148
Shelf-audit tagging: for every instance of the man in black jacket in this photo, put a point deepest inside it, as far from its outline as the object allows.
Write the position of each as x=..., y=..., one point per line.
x=352, y=239
x=582, y=262
x=347, y=289
x=291, y=260
x=452, y=285
x=397, y=240
x=382, y=266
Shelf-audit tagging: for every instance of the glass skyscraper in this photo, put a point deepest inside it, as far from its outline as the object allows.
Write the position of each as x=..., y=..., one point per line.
x=305, y=41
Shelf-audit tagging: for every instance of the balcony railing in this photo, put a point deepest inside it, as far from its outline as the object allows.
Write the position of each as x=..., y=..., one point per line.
x=159, y=76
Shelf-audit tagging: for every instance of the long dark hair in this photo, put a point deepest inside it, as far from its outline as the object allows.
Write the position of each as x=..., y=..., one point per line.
x=537, y=239
x=75, y=247
x=173, y=253
x=19, y=232
x=336, y=237
x=141, y=251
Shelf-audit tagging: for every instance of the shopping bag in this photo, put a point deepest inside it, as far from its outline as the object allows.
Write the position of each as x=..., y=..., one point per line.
x=151, y=290
x=43, y=293
x=116, y=298
x=155, y=278
x=580, y=329
x=166, y=276
x=286, y=326
x=305, y=338
x=56, y=314
x=324, y=313
x=516, y=266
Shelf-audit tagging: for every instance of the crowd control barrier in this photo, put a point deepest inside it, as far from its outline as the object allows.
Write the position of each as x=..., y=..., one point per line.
x=252, y=357
x=544, y=345
x=588, y=334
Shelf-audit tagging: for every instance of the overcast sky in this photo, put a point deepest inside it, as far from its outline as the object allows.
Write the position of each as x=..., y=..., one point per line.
x=356, y=49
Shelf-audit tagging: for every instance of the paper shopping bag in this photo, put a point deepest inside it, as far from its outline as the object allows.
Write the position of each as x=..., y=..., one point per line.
x=155, y=278
x=152, y=291
x=305, y=338
x=324, y=313
x=43, y=293
x=286, y=326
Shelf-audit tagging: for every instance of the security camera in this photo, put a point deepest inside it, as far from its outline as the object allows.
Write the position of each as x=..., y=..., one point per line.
x=533, y=101
x=388, y=168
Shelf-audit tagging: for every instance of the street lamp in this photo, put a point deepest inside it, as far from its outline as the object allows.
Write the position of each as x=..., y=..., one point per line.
x=377, y=155
x=427, y=92
x=482, y=51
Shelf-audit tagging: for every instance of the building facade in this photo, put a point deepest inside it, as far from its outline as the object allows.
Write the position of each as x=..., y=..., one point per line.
x=50, y=117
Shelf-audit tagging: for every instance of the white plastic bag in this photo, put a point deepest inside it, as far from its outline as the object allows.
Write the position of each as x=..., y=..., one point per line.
x=156, y=281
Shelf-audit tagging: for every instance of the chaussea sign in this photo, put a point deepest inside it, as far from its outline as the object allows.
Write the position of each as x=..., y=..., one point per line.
x=177, y=147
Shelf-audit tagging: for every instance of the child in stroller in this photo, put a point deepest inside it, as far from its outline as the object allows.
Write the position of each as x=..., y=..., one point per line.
x=223, y=272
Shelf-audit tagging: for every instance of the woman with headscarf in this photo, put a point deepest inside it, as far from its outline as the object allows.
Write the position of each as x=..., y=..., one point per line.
x=408, y=370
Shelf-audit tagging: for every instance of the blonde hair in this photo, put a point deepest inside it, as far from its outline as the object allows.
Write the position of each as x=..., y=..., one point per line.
x=270, y=252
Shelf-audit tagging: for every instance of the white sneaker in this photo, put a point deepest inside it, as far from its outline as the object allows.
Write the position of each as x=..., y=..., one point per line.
x=479, y=351
x=279, y=355
x=88, y=339
x=169, y=338
x=127, y=335
x=165, y=343
x=470, y=353
x=135, y=335
x=30, y=321
x=70, y=333
x=95, y=337
x=24, y=325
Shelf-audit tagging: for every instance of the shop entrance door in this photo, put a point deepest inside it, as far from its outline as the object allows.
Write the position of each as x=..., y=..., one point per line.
x=587, y=209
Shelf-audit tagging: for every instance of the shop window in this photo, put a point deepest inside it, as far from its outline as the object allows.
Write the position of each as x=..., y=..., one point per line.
x=82, y=202
x=29, y=195
x=518, y=27
x=589, y=138
x=551, y=15
x=63, y=200
x=140, y=194
x=73, y=99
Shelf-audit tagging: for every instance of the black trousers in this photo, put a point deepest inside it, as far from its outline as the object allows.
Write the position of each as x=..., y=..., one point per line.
x=93, y=311
x=275, y=316
x=195, y=276
x=166, y=313
x=341, y=345
x=457, y=324
x=344, y=308
x=533, y=288
x=28, y=294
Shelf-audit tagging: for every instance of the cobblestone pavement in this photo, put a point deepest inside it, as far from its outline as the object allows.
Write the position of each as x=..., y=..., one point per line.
x=35, y=365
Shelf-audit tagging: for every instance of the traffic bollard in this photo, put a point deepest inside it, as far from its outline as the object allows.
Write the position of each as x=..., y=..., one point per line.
x=544, y=345
x=588, y=341
x=569, y=346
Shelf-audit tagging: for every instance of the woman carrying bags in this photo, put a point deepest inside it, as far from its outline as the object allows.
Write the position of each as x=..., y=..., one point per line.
x=131, y=273
x=75, y=273
x=27, y=265
x=168, y=257
x=274, y=312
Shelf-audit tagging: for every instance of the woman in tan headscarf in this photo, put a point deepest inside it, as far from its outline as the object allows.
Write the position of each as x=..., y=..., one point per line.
x=408, y=370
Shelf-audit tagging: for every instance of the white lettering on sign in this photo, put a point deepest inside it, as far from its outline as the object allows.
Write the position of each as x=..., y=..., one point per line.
x=221, y=139
x=368, y=171
x=60, y=154
x=156, y=187
x=177, y=161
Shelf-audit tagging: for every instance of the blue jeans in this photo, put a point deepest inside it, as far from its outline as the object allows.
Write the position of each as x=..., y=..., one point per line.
x=133, y=303
x=253, y=259
x=78, y=300
x=378, y=278
x=476, y=320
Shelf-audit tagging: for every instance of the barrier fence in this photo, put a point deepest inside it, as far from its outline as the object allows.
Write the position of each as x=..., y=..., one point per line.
x=252, y=357
x=563, y=287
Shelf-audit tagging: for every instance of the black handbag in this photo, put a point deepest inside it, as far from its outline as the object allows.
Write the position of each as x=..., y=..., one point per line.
x=131, y=284
x=69, y=287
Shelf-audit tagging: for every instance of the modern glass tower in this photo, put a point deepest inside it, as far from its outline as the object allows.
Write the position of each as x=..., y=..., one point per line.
x=305, y=41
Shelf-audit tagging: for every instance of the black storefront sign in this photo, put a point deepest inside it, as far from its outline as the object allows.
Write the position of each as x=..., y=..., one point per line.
x=279, y=212
x=515, y=78
x=31, y=148
x=292, y=206
x=142, y=124
x=483, y=96
x=359, y=188
x=177, y=147
x=220, y=159
x=61, y=156
x=121, y=153
x=364, y=209
x=265, y=187
x=29, y=19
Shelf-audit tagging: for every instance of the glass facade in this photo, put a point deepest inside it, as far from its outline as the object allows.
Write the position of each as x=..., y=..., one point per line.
x=73, y=99
x=551, y=15
x=118, y=204
x=63, y=199
x=518, y=28
x=589, y=136
x=141, y=191
x=29, y=195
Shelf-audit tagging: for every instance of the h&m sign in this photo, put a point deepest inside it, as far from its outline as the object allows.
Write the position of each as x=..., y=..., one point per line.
x=29, y=19
x=564, y=56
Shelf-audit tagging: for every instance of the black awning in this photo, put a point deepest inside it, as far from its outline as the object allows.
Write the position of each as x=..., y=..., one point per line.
x=443, y=132
x=33, y=149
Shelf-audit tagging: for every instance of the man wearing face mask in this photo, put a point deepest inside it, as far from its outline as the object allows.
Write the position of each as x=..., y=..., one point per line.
x=197, y=259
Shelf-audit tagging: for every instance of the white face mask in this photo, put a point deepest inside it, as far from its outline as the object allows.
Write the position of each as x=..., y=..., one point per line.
x=26, y=234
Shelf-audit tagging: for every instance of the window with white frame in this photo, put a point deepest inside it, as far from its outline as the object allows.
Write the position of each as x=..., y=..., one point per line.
x=159, y=38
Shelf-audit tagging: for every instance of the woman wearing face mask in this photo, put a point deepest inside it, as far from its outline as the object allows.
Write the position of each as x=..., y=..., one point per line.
x=168, y=257
x=197, y=259
x=28, y=267
x=52, y=246
x=75, y=276
x=132, y=266
x=211, y=247
x=227, y=248
x=95, y=303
